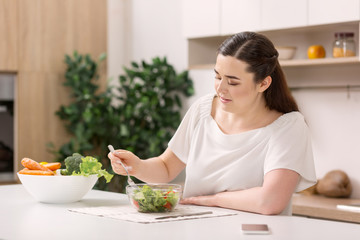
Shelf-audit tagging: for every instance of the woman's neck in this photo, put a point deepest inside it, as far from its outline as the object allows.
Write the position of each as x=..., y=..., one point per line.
x=237, y=122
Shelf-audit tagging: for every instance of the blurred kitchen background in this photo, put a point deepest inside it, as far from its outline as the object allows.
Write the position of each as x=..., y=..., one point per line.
x=36, y=34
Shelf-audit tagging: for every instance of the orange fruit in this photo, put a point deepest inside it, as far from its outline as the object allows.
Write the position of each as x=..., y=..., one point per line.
x=316, y=51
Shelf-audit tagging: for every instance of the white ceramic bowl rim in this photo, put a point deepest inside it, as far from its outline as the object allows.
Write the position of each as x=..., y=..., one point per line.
x=58, y=188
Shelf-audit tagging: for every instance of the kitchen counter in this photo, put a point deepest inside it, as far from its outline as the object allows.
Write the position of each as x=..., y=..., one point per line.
x=322, y=207
x=21, y=217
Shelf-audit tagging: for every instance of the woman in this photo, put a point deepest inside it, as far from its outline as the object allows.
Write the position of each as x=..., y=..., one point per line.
x=246, y=148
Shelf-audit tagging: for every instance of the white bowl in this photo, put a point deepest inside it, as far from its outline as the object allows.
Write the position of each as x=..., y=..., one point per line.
x=58, y=188
x=286, y=53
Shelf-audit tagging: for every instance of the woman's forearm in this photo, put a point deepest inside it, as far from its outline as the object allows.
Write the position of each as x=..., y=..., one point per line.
x=249, y=200
x=153, y=170
x=161, y=169
x=271, y=198
x=252, y=200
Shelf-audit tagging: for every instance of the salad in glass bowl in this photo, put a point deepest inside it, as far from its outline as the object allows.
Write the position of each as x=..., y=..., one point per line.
x=152, y=198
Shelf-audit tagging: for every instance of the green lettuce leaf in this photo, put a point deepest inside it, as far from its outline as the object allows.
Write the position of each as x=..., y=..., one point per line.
x=150, y=200
x=90, y=166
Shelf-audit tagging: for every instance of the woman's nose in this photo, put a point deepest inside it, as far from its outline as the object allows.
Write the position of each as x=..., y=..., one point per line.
x=222, y=85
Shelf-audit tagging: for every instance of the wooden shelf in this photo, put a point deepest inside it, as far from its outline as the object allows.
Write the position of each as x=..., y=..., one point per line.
x=317, y=206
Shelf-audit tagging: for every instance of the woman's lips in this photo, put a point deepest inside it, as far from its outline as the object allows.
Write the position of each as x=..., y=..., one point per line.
x=224, y=100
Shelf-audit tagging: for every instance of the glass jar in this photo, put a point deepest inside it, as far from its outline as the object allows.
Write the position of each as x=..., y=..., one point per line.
x=344, y=45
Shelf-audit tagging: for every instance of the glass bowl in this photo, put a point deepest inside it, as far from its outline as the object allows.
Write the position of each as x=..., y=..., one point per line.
x=151, y=198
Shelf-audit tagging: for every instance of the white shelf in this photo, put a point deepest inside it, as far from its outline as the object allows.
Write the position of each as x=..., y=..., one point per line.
x=297, y=62
x=319, y=61
x=202, y=51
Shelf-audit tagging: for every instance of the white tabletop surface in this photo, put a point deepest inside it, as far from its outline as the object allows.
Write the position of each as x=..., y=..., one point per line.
x=23, y=218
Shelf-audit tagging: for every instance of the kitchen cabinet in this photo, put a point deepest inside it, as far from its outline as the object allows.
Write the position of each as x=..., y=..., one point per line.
x=8, y=35
x=284, y=22
x=240, y=15
x=48, y=30
x=335, y=11
x=204, y=18
x=303, y=37
x=201, y=18
x=212, y=18
x=277, y=14
x=201, y=51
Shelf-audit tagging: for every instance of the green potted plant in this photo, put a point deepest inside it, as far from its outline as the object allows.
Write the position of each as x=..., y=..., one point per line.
x=139, y=115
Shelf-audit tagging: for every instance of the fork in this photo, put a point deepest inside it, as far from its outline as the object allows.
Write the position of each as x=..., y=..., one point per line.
x=129, y=180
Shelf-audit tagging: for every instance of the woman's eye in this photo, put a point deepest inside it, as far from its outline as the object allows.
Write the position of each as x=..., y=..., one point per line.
x=233, y=84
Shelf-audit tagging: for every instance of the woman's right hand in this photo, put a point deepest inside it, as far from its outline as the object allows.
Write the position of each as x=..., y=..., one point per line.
x=130, y=160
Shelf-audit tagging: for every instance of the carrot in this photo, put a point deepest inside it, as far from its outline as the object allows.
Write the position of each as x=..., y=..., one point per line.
x=33, y=165
x=36, y=172
x=53, y=166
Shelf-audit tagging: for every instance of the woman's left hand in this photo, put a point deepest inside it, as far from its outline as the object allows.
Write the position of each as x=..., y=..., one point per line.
x=201, y=200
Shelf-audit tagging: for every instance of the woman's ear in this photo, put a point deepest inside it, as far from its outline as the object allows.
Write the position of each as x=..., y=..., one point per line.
x=265, y=84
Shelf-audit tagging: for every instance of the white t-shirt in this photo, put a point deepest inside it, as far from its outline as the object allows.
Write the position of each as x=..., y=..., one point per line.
x=217, y=162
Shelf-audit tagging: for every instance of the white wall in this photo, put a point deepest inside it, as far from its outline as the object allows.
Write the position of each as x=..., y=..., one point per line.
x=333, y=115
x=154, y=29
x=146, y=29
x=143, y=29
x=118, y=53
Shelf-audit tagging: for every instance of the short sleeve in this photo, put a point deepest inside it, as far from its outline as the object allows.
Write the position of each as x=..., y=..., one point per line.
x=181, y=141
x=290, y=148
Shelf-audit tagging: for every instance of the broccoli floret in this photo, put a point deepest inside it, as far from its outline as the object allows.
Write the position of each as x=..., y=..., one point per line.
x=84, y=166
x=72, y=164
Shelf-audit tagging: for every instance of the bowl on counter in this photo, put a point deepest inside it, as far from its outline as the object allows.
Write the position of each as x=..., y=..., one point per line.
x=286, y=52
x=57, y=188
x=154, y=197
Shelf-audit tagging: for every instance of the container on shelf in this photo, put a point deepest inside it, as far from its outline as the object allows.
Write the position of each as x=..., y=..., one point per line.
x=286, y=52
x=344, y=45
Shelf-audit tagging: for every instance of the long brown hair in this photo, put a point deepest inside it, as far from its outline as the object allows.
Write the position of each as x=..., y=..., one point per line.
x=260, y=54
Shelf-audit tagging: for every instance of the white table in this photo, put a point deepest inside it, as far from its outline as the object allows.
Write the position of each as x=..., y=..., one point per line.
x=21, y=217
